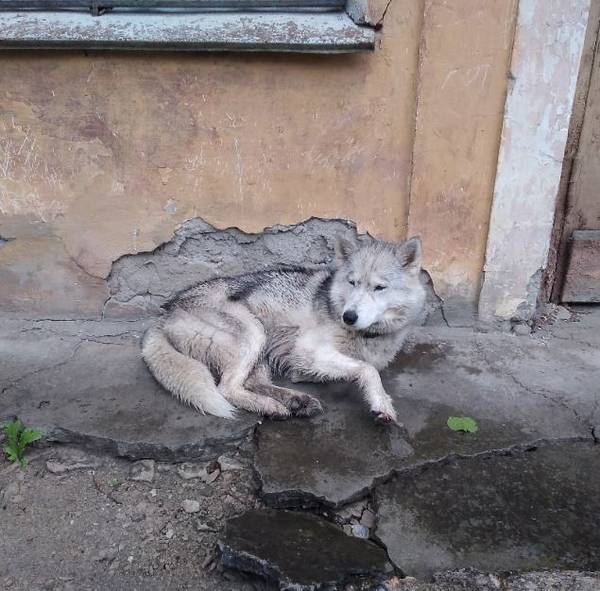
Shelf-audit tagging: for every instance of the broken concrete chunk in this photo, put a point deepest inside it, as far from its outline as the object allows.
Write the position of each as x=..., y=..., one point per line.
x=336, y=456
x=299, y=551
x=368, y=518
x=142, y=471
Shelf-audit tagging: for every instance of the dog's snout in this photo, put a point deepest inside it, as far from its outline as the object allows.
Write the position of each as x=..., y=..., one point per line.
x=350, y=317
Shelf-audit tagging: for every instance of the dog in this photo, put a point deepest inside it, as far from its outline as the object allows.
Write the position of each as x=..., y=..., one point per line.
x=221, y=341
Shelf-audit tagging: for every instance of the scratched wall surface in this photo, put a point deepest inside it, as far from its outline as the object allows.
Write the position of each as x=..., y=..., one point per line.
x=104, y=154
x=465, y=53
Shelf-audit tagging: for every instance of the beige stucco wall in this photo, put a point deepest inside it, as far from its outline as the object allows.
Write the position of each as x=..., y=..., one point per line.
x=104, y=154
x=464, y=61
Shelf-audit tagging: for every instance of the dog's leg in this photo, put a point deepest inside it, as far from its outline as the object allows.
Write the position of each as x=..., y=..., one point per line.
x=244, y=352
x=327, y=364
x=229, y=340
x=298, y=403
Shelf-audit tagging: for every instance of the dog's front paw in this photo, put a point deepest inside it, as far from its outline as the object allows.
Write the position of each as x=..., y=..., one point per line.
x=384, y=413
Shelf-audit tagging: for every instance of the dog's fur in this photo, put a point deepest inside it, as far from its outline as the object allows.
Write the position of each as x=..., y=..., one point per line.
x=221, y=340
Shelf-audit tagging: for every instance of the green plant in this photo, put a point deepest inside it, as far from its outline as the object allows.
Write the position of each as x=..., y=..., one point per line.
x=18, y=437
x=466, y=424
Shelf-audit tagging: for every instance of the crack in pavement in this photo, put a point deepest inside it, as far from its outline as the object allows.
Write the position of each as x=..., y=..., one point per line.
x=303, y=498
x=42, y=369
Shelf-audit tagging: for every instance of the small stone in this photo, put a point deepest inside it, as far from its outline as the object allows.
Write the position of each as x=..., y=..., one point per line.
x=228, y=463
x=161, y=467
x=205, y=527
x=190, y=506
x=169, y=533
x=138, y=516
x=153, y=492
x=188, y=471
x=521, y=330
x=11, y=492
x=368, y=518
x=70, y=461
x=142, y=471
x=562, y=313
x=360, y=531
x=106, y=555
x=214, y=475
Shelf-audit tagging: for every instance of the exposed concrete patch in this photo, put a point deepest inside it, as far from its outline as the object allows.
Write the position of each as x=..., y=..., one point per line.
x=141, y=283
x=300, y=551
x=513, y=512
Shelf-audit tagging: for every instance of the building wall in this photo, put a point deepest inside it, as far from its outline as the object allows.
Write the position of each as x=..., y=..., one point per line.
x=104, y=154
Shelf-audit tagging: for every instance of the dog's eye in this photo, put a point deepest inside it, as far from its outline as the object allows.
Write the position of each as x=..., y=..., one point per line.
x=379, y=287
x=352, y=283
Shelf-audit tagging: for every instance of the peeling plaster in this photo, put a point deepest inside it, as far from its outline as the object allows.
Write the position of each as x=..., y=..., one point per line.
x=368, y=12
x=139, y=284
x=548, y=45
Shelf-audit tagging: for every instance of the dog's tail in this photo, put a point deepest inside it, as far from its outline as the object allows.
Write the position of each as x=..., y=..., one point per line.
x=186, y=378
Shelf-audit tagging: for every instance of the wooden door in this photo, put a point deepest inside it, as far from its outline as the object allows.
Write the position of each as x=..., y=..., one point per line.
x=580, y=242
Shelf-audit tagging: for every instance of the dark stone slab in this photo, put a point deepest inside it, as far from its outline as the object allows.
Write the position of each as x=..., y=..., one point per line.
x=299, y=551
x=99, y=393
x=527, y=511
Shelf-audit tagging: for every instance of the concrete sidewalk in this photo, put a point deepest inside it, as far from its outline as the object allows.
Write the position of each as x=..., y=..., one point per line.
x=519, y=494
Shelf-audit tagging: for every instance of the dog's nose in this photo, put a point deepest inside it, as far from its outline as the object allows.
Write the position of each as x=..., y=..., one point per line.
x=350, y=317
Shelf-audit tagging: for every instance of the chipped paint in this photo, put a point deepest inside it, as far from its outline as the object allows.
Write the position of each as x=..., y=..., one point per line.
x=220, y=31
x=548, y=45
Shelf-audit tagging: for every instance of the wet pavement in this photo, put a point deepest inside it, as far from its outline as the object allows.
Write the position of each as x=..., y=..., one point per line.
x=522, y=511
x=520, y=494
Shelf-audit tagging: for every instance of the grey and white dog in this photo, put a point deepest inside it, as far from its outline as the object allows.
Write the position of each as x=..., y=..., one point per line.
x=222, y=340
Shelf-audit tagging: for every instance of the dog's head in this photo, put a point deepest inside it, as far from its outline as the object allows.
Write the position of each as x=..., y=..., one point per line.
x=376, y=286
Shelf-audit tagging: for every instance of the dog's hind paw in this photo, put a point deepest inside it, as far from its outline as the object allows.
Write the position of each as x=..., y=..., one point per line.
x=305, y=406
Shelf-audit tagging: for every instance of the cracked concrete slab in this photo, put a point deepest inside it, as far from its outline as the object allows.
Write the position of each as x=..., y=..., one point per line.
x=498, y=379
x=330, y=459
x=86, y=383
x=299, y=551
x=520, y=512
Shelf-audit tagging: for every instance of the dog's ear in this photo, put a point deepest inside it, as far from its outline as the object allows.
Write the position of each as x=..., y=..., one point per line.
x=409, y=254
x=343, y=250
